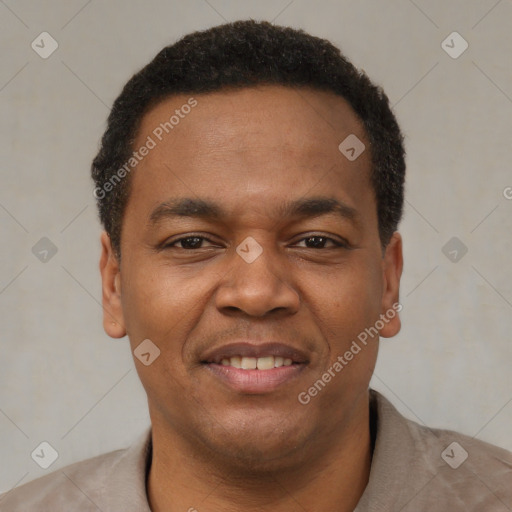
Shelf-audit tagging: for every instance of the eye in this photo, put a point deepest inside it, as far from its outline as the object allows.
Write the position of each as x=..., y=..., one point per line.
x=188, y=242
x=192, y=242
x=319, y=241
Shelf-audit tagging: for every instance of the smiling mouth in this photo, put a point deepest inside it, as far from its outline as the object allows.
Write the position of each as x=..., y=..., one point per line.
x=255, y=369
x=256, y=363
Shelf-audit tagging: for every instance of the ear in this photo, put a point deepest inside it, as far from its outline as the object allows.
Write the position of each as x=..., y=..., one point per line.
x=392, y=264
x=113, y=319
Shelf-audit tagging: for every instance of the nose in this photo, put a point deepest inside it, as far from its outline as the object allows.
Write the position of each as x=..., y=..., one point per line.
x=258, y=288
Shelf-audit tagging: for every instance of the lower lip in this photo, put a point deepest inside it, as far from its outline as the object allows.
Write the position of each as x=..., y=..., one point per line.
x=255, y=381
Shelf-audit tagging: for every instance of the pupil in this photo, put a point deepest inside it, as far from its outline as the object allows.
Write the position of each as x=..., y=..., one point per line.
x=192, y=242
x=319, y=241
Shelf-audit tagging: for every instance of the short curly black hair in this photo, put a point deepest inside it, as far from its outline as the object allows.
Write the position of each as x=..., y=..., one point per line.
x=238, y=55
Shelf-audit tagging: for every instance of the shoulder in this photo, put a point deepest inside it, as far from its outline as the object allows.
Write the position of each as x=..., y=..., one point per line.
x=473, y=472
x=432, y=468
x=89, y=485
x=76, y=483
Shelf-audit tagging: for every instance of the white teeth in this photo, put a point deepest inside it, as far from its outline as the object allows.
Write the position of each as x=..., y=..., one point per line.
x=265, y=363
x=236, y=362
x=253, y=363
x=249, y=363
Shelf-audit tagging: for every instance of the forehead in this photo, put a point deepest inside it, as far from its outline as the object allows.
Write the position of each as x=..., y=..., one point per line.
x=309, y=117
x=250, y=144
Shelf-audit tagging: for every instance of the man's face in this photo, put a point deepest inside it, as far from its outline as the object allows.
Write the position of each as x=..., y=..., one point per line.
x=197, y=286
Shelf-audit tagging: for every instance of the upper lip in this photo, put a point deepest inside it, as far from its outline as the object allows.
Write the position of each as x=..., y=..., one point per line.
x=252, y=349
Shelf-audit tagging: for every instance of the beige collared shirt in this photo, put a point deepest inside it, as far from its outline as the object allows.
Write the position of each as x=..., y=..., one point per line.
x=414, y=469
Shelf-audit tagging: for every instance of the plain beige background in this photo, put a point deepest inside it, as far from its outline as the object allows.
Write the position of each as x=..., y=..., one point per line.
x=62, y=380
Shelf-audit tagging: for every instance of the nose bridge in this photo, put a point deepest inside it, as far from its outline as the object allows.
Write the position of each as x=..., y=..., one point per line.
x=258, y=281
x=256, y=263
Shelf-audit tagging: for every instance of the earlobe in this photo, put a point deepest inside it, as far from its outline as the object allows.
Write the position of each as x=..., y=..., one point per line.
x=391, y=272
x=113, y=319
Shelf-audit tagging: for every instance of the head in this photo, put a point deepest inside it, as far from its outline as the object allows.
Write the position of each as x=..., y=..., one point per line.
x=232, y=217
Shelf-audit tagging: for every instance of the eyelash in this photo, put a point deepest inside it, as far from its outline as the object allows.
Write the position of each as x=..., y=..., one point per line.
x=337, y=243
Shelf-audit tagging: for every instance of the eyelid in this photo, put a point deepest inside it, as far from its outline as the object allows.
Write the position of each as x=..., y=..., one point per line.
x=172, y=243
x=338, y=241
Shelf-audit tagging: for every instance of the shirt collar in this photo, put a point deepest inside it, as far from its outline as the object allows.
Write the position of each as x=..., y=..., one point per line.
x=398, y=471
x=124, y=488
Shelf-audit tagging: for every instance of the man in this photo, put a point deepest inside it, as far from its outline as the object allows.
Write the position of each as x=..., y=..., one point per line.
x=250, y=182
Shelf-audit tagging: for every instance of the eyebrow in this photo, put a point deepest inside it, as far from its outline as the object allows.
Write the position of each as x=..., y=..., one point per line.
x=206, y=209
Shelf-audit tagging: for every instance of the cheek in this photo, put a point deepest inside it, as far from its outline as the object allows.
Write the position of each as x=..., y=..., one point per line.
x=160, y=302
x=347, y=307
x=163, y=305
x=348, y=301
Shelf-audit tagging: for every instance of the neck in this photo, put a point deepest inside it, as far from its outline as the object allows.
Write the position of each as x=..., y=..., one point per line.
x=328, y=477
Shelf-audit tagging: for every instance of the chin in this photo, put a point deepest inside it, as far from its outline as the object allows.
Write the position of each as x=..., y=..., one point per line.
x=251, y=446
x=249, y=460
